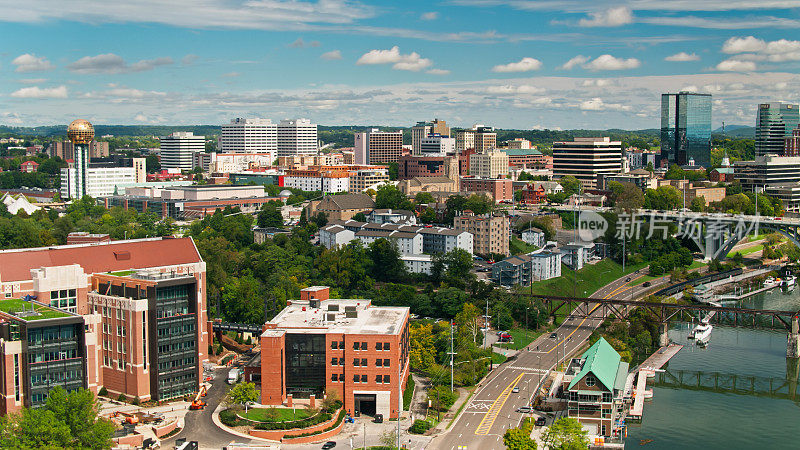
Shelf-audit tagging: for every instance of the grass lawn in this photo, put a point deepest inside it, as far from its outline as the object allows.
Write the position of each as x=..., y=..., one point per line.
x=645, y=278
x=497, y=358
x=13, y=305
x=747, y=251
x=584, y=282
x=284, y=414
x=517, y=246
x=520, y=340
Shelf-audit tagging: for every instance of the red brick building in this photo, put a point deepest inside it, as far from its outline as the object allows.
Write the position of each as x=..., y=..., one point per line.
x=29, y=166
x=500, y=189
x=319, y=345
x=532, y=194
x=133, y=314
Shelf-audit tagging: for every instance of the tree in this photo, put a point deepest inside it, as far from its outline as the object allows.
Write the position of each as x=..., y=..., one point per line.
x=389, y=438
x=519, y=439
x=467, y=323
x=389, y=197
x=478, y=204
x=242, y=300
x=428, y=216
x=360, y=217
x=152, y=163
x=566, y=434
x=570, y=184
x=422, y=351
x=386, y=262
x=270, y=216
x=665, y=198
x=698, y=204
x=626, y=196
x=242, y=394
x=423, y=198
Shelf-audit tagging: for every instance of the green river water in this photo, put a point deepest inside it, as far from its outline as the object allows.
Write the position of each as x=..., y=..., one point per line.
x=685, y=416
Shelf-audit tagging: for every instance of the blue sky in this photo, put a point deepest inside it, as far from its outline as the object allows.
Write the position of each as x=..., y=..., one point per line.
x=508, y=63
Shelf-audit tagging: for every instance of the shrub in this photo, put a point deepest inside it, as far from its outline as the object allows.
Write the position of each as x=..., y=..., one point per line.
x=249, y=341
x=230, y=418
x=122, y=398
x=227, y=358
x=339, y=420
x=441, y=398
x=210, y=349
x=238, y=338
x=420, y=427
x=136, y=401
x=103, y=391
x=304, y=423
x=220, y=348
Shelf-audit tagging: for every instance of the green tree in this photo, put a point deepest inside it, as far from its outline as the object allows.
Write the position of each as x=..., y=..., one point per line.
x=422, y=351
x=242, y=394
x=428, y=216
x=423, y=198
x=566, y=434
x=665, y=198
x=270, y=215
x=242, y=300
x=698, y=204
x=386, y=262
x=360, y=217
x=626, y=196
x=519, y=439
x=467, y=324
x=389, y=197
x=570, y=184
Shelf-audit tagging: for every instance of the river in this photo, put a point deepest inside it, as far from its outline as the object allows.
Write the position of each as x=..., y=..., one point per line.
x=708, y=418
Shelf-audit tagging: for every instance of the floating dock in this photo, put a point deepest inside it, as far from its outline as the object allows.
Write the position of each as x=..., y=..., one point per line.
x=647, y=369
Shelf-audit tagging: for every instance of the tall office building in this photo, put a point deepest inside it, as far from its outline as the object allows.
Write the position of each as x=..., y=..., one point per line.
x=424, y=129
x=480, y=138
x=791, y=146
x=774, y=124
x=178, y=149
x=297, y=137
x=491, y=164
x=686, y=128
x=437, y=145
x=378, y=146
x=249, y=136
x=586, y=158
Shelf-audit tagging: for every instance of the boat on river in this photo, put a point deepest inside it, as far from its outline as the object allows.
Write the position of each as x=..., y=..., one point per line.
x=789, y=281
x=772, y=282
x=702, y=333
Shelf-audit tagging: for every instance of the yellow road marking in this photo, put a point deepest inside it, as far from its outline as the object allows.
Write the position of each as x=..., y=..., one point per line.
x=488, y=420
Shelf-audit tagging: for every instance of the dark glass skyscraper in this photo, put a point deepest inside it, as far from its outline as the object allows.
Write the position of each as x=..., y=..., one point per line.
x=774, y=124
x=686, y=128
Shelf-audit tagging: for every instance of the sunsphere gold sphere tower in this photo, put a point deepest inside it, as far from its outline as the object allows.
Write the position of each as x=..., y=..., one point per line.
x=81, y=133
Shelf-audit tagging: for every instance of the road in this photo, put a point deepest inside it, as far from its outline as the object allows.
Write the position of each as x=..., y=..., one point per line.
x=198, y=425
x=492, y=409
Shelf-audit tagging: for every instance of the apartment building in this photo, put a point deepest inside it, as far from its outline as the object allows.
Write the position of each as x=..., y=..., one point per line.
x=318, y=345
x=489, y=164
x=480, y=138
x=363, y=178
x=100, y=180
x=490, y=234
x=434, y=239
x=437, y=145
x=297, y=137
x=178, y=149
x=378, y=146
x=524, y=269
x=329, y=180
x=129, y=316
x=586, y=158
x=249, y=136
x=499, y=189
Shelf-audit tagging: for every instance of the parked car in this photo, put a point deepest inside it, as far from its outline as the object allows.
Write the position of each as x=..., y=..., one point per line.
x=328, y=445
x=378, y=418
x=647, y=284
x=627, y=279
x=540, y=421
x=524, y=409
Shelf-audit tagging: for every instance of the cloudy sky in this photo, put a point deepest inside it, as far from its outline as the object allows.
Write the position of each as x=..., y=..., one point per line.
x=508, y=63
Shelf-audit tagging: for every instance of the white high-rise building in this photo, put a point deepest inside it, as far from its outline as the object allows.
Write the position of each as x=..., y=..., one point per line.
x=436, y=145
x=101, y=181
x=178, y=149
x=249, y=136
x=297, y=137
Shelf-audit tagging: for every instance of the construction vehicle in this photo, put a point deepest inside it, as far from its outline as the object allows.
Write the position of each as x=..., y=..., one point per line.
x=198, y=403
x=130, y=418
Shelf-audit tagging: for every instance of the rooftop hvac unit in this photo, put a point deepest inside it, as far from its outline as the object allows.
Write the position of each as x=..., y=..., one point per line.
x=350, y=312
x=314, y=303
x=331, y=317
x=333, y=307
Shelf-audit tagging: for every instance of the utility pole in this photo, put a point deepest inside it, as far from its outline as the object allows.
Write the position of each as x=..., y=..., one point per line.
x=399, y=396
x=451, y=355
x=485, y=331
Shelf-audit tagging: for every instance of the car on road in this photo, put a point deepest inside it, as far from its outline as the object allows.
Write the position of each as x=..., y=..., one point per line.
x=627, y=279
x=524, y=409
x=553, y=335
x=515, y=390
x=328, y=445
x=647, y=284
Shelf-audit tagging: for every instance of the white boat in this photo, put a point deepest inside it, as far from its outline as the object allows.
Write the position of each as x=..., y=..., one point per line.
x=702, y=332
x=771, y=282
x=789, y=281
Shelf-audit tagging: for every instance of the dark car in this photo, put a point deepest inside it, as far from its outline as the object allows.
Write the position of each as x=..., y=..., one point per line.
x=378, y=418
x=540, y=421
x=627, y=279
x=647, y=284
x=553, y=335
x=329, y=444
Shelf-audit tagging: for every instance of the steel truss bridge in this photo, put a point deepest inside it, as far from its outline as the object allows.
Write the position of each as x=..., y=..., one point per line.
x=621, y=309
x=710, y=381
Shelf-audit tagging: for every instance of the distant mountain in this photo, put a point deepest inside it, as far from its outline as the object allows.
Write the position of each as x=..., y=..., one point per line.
x=738, y=131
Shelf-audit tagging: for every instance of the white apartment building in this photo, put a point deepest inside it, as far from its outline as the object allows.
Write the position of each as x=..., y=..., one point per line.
x=297, y=137
x=102, y=181
x=430, y=240
x=435, y=145
x=179, y=148
x=238, y=162
x=364, y=178
x=333, y=236
x=492, y=164
x=519, y=144
x=545, y=265
x=250, y=136
x=407, y=243
x=418, y=263
x=322, y=182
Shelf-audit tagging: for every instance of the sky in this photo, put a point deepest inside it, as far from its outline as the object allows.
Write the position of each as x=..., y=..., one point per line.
x=525, y=64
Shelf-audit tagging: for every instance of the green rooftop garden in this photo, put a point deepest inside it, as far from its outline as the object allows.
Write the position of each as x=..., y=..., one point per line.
x=13, y=305
x=122, y=273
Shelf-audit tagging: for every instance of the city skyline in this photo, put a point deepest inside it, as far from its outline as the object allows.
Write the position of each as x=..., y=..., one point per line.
x=508, y=63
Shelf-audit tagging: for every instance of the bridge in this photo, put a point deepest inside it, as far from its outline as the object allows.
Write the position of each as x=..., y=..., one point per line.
x=664, y=312
x=719, y=382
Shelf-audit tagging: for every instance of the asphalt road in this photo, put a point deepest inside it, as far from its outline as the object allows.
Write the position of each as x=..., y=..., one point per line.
x=198, y=425
x=492, y=409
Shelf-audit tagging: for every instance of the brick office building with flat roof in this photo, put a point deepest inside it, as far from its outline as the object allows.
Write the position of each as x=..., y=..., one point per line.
x=319, y=345
x=141, y=307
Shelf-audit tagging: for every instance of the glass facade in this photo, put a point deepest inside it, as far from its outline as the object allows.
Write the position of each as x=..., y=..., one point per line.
x=176, y=341
x=774, y=124
x=686, y=128
x=55, y=358
x=305, y=364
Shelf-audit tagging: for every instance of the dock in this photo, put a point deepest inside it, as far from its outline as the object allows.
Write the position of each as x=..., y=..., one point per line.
x=734, y=297
x=636, y=410
x=660, y=357
x=647, y=369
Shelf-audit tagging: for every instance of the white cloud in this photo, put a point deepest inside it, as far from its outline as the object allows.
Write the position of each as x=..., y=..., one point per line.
x=189, y=59
x=298, y=43
x=597, y=104
x=682, y=57
x=432, y=15
x=612, y=17
x=438, y=72
x=644, y=5
x=37, y=92
x=112, y=63
x=690, y=88
x=411, y=61
x=595, y=83
x=31, y=63
x=514, y=89
x=524, y=65
x=608, y=62
x=331, y=55
x=745, y=23
x=742, y=45
x=576, y=61
x=736, y=65
x=32, y=80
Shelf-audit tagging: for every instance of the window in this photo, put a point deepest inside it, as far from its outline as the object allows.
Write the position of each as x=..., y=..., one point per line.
x=356, y=362
x=334, y=361
x=356, y=378
x=606, y=397
x=363, y=378
x=335, y=345
x=386, y=379
x=590, y=381
x=379, y=346
x=364, y=362
x=379, y=379
x=335, y=377
x=341, y=362
x=386, y=346
x=378, y=362
x=385, y=363
x=356, y=346
x=364, y=346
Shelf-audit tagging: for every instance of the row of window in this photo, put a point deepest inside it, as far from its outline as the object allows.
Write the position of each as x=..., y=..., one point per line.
x=109, y=312
x=362, y=362
x=50, y=334
x=108, y=329
x=52, y=356
x=109, y=345
x=47, y=379
x=178, y=363
x=178, y=346
x=339, y=345
x=175, y=330
x=380, y=379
